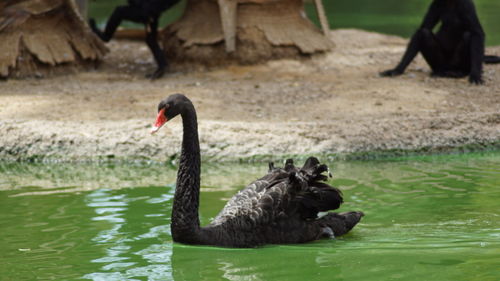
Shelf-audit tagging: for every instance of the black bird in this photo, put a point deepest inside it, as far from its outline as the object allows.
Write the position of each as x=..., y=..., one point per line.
x=146, y=12
x=281, y=207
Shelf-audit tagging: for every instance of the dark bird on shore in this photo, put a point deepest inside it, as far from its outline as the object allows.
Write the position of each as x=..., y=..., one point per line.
x=146, y=12
x=281, y=207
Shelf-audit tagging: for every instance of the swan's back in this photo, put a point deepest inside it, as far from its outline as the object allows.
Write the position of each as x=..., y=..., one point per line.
x=284, y=205
x=261, y=199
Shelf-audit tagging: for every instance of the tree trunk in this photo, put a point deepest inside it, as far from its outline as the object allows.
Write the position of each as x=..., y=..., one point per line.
x=83, y=8
x=44, y=37
x=265, y=29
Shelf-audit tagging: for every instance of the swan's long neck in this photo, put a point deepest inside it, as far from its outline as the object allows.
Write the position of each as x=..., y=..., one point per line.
x=185, y=221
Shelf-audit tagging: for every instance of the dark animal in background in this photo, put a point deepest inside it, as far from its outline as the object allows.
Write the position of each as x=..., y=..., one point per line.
x=281, y=207
x=146, y=12
x=456, y=50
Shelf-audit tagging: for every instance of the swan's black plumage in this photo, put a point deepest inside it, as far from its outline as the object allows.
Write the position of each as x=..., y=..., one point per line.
x=281, y=207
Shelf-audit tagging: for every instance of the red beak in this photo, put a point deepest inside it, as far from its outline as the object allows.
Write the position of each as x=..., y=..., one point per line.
x=160, y=121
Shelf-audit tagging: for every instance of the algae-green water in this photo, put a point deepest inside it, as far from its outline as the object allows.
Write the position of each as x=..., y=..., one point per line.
x=427, y=218
x=386, y=16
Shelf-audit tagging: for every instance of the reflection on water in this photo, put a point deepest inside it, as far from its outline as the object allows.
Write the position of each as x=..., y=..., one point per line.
x=124, y=259
x=268, y=263
x=50, y=178
x=426, y=218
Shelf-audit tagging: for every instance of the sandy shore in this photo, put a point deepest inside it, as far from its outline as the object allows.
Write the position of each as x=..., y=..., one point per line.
x=331, y=104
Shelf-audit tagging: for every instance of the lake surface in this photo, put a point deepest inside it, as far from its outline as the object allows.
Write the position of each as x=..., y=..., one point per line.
x=427, y=218
x=385, y=16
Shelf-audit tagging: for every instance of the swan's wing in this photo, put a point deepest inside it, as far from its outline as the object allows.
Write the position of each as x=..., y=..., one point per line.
x=248, y=203
x=284, y=193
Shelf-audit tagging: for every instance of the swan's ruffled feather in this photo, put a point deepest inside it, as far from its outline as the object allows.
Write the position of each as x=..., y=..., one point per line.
x=287, y=193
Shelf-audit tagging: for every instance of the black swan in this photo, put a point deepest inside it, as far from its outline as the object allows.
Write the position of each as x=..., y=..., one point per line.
x=281, y=207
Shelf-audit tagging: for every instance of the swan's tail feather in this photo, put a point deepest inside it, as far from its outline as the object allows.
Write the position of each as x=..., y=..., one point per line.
x=318, y=198
x=327, y=197
x=313, y=170
x=306, y=193
x=311, y=194
x=289, y=167
x=271, y=167
x=340, y=223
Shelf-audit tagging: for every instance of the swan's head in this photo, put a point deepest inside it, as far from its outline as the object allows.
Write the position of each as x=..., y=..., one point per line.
x=169, y=108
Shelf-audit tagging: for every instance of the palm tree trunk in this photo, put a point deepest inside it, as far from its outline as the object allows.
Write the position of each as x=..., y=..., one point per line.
x=44, y=37
x=82, y=7
x=265, y=29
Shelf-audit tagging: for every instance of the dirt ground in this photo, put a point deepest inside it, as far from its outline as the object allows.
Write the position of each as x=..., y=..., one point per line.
x=330, y=104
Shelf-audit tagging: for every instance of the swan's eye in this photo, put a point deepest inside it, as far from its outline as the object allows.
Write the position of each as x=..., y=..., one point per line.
x=163, y=106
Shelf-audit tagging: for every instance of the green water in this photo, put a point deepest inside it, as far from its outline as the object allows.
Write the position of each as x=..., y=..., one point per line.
x=427, y=218
x=385, y=16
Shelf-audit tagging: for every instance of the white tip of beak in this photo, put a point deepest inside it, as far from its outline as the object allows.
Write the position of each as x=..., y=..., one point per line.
x=154, y=129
